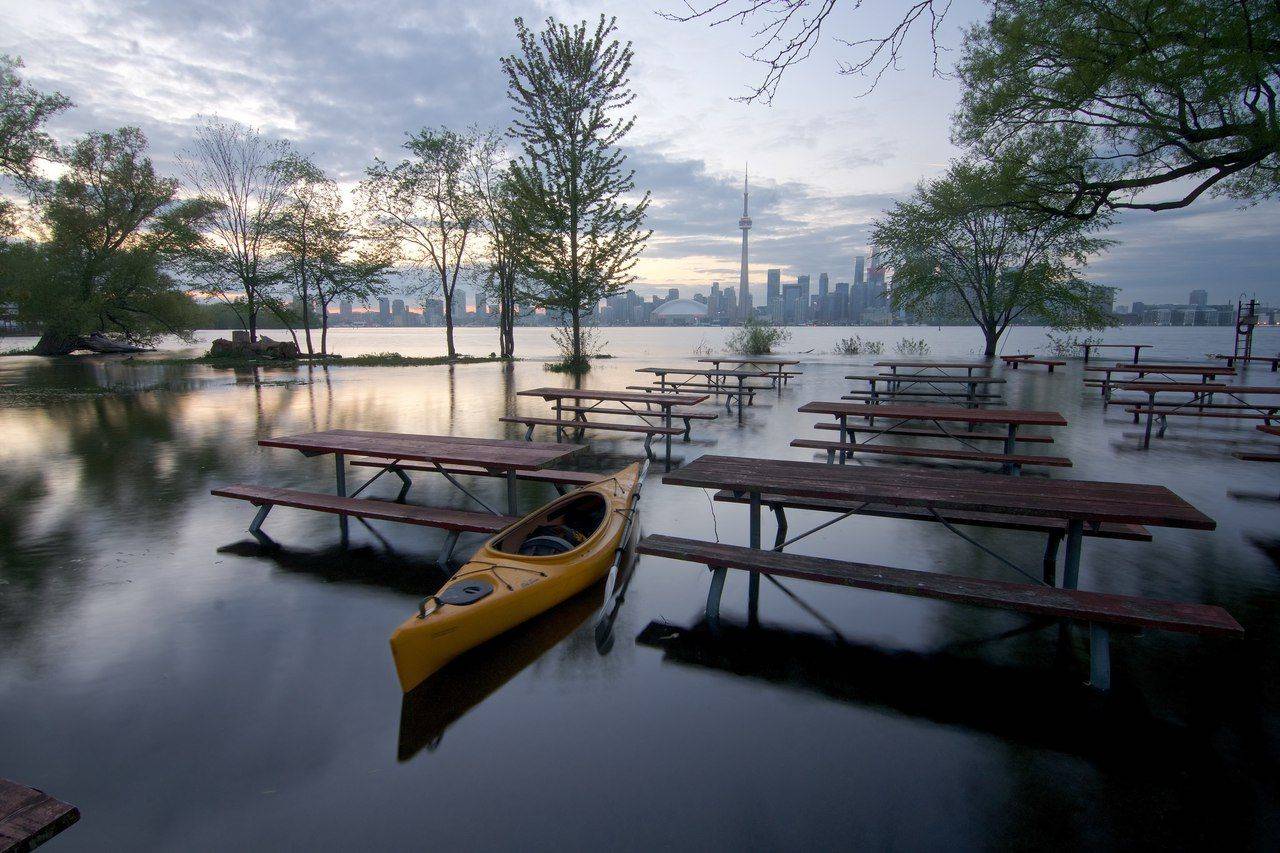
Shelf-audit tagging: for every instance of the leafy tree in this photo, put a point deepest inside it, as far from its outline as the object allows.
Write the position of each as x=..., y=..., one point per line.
x=426, y=207
x=954, y=243
x=24, y=111
x=1118, y=101
x=501, y=226
x=242, y=174
x=570, y=185
x=114, y=226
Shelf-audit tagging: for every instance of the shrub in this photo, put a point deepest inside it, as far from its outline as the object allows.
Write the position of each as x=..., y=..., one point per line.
x=591, y=343
x=907, y=346
x=755, y=338
x=1062, y=343
x=857, y=346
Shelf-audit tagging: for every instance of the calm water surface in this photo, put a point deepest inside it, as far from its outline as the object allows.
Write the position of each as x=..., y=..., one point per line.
x=191, y=692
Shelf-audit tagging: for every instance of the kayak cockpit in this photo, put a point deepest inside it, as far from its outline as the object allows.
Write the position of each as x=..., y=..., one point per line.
x=558, y=529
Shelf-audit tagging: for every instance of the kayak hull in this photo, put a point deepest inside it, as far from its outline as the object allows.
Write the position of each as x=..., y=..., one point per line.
x=523, y=586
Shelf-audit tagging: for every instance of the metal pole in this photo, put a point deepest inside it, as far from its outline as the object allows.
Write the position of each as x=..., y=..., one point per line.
x=1071, y=569
x=511, y=492
x=753, y=583
x=1151, y=409
x=1099, y=657
x=667, y=409
x=340, y=469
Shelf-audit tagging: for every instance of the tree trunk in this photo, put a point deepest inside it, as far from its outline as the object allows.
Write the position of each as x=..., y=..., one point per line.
x=251, y=307
x=576, y=358
x=992, y=336
x=448, y=324
x=53, y=343
x=324, y=330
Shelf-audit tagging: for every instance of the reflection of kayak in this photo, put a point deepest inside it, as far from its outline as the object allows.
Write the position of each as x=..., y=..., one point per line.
x=427, y=712
x=533, y=565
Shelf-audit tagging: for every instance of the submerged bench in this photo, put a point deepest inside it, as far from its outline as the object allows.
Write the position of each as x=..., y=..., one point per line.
x=937, y=433
x=1054, y=528
x=1012, y=462
x=1231, y=360
x=456, y=521
x=560, y=479
x=561, y=425
x=1012, y=361
x=728, y=391
x=1100, y=611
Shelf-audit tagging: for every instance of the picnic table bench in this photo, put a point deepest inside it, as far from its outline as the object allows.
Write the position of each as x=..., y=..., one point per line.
x=968, y=435
x=1011, y=419
x=29, y=817
x=585, y=401
x=1079, y=504
x=1231, y=360
x=775, y=368
x=1013, y=361
x=1261, y=457
x=1137, y=349
x=500, y=457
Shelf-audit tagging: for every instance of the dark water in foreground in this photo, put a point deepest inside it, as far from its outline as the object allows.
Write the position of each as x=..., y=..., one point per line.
x=190, y=692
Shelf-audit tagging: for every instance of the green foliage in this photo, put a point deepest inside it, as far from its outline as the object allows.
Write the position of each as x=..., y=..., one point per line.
x=576, y=354
x=1112, y=102
x=571, y=187
x=114, y=226
x=857, y=346
x=24, y=111
x=912, y=346
x=957, y=246
x=1063, y=344
x=755, y=338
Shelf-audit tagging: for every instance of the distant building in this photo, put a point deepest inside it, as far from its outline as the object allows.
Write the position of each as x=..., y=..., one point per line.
x=680, y=312
x=773, y=290
x=1199, y=297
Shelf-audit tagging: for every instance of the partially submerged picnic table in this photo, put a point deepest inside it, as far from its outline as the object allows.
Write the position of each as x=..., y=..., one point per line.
x=714, y=382
x=772, y=366
x=644, y=406
x=897, y=386
x=1231, y=360
x=29, y=817
x=398, y=453
x=899, y=414
x=1207, y=373
x=912, y=367
x=1137, y=349
x=849, y=491
x=1201, y=404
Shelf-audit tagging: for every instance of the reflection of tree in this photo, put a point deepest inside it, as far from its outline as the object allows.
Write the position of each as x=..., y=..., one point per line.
x=30, y=563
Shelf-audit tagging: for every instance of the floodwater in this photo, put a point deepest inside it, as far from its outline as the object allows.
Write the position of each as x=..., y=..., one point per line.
x=189, y=691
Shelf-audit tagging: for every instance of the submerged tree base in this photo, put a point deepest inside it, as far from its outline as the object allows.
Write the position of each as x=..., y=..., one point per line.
x=51, y=343
x=575, y=366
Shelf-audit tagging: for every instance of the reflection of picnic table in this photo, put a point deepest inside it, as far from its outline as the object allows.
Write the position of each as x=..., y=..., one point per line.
x=847, y=490
x=387, y=451
x=774, y=367
x=578, y=403
x=898, y=415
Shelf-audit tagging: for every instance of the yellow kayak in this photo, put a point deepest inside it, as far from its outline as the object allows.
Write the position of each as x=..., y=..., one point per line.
x=533, y=565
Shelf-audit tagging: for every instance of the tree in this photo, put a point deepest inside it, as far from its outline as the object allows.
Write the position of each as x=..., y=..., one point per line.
x=242, y=174
x=24, y=111
x=114, y=225
x=786, y=32
x=1117, y=101
x=569, y=186
x=954, y=245
x=427, y=206
x=501, y=227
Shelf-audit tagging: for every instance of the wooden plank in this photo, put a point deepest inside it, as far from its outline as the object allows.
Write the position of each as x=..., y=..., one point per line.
x=544, y=475
x=906, y=379
x=568, y=424
x=502, y=454
x=1055, y=602
x=936, y=433
x=952, y=365
x=29, y=817
x=447, y=519
x=614, y=396
x=1090, y=501
x=698, y=371
x=640, y=413
x=933, y=453
x=1128, y=532
x=1020, y=417
x=1257, y=457
x=1174, y=369
x=743, y=359
x=1180, y=387
x=1191, y=412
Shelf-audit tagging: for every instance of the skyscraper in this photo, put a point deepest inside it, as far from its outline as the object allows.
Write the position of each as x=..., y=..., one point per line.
x=744, y=290
x=824, y=284
x=859, y=267
x=1199, y=297
x=774, y=288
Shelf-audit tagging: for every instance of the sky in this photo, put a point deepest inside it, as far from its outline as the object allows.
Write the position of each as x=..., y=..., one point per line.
x=345, y=81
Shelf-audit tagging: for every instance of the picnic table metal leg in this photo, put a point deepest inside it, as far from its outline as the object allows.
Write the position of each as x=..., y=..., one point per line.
x=1010, y=442
x=713, y=597
x=340, y=470
x=1071, y=566
x=753, y=582
x=405, y=483
x=844, y=437
x=1049, y=567
x=255, y=527
x=511, y=492
x=1151, y=408
x=667, y=421
x=1099, y=657
x=740, y=390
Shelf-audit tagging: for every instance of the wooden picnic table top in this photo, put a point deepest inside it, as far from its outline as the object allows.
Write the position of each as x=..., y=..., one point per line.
x=30, y=817
x=964, y=380
x=664, y=400
x=493, y=453
x=1089, y=501
x=1123, y=346
x=1184, y=387
x=1017, y=417
x=1269, y=429
x=704, y=371
x=1156, y=367
x=897, y=362
x=746, y=359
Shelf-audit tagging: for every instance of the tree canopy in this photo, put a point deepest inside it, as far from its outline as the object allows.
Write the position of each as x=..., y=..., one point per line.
x=24, y=111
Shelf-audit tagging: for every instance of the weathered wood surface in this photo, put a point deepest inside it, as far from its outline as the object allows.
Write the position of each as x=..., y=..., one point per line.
x=1257, y=457
x=746, y=359
x=640, y=413
x=1018, y=417
x=933, y=453
x=656, y=429
x=544, y=475
x=1089, y=501
x=926, y=379
x=29, y=817
x=614, y=396
x=1192, y=412
x=446, y=519
x=705, y=371
x=1171, y=387
x=1143, y=368
x=1127, y=532
x=936, y=433
x=1041, y=600
x=940, y=365
x=501, y=454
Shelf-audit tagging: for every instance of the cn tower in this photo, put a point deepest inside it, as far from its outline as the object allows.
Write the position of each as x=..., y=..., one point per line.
x=744, y=291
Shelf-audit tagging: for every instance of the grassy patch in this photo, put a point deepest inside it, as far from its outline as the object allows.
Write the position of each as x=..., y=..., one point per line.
x=376, y=359
x=17, y=352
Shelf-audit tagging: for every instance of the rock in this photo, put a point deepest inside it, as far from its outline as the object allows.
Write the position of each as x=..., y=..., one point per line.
x=265, y=348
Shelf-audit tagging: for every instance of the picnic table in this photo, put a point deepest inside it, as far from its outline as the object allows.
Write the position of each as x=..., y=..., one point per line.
x=896, y=384
x=1137, y=349
x=1010, y=419
x=705, y=379
x=496, y=456
x=29, y=817
x=1207, y=372
x=1273, y=360
x=584, y=401
x=1202, y=394
x=921, y=366
x=779, y=376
